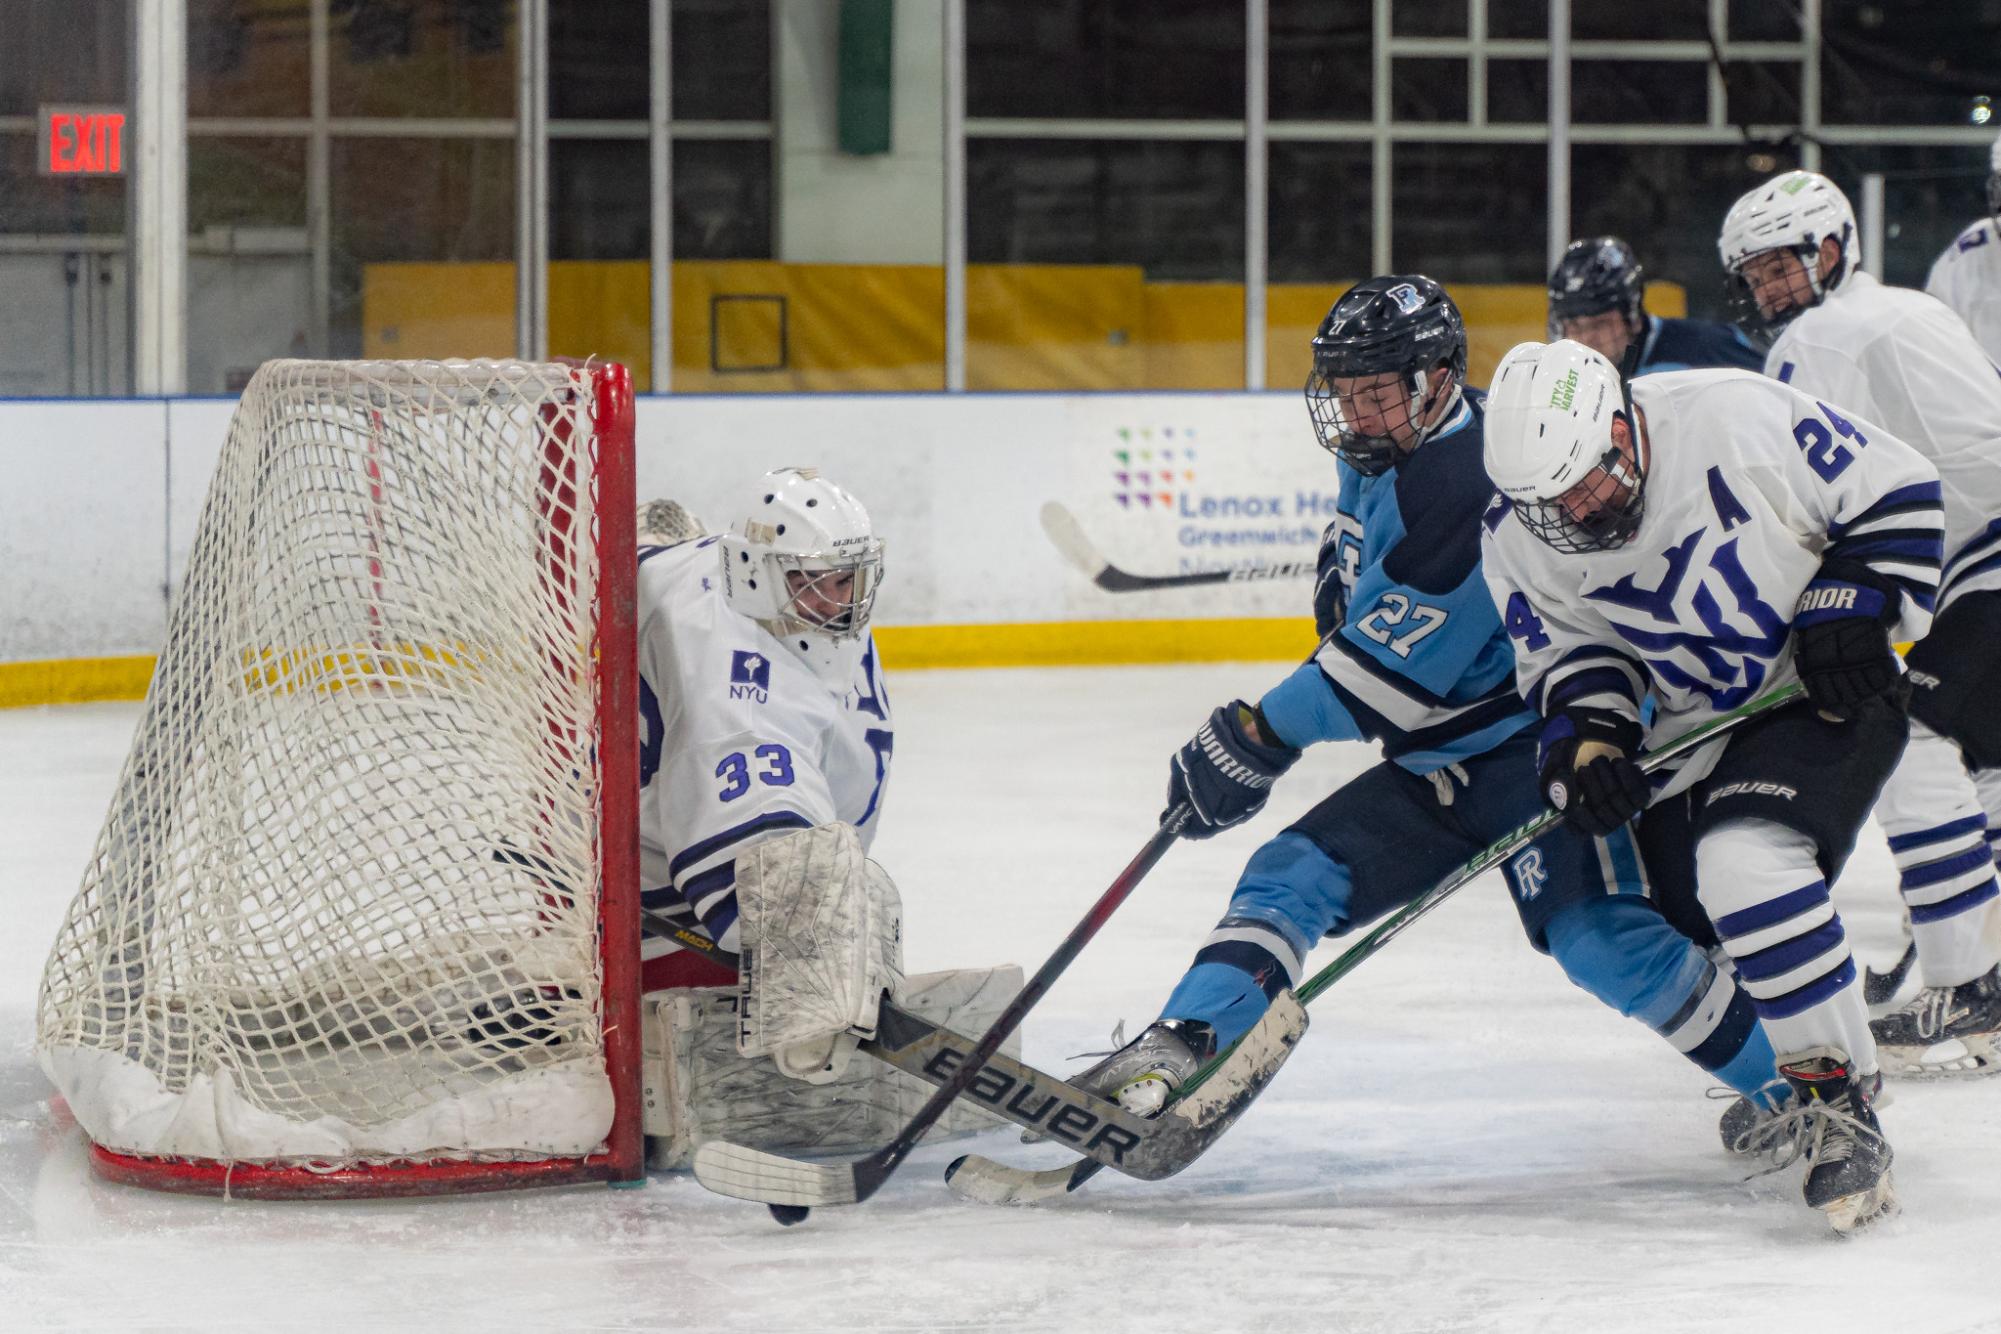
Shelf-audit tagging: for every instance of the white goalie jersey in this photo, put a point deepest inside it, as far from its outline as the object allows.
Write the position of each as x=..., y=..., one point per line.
x=1901, y=359
x=741, y=741
x=1749, y=486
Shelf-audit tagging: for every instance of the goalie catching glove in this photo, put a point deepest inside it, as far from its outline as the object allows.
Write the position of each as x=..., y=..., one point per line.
x=1841, y=640
x=1586, y=767
x=1225, y=772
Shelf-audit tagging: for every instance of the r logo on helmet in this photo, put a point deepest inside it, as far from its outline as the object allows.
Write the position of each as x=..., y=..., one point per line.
x=1407, y=298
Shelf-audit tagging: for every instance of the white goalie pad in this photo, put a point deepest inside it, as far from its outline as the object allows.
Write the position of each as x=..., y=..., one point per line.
x=822, y=939
x=699, y=1089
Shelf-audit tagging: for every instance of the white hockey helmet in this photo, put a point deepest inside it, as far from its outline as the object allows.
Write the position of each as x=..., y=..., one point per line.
x=1794, y=211
x=801, y=560
x=1549, y=446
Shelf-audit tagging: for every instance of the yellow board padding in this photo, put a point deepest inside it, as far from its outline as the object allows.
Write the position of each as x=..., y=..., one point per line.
x=904, y=648
x=761, y=326
x=1096, y=643
x=73, y=680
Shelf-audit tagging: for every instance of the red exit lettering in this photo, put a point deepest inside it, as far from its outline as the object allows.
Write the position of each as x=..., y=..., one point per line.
x=85, y=143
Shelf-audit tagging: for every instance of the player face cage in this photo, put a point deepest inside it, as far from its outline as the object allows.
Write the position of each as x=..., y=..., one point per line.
x=1600, y=513
x=829, y=594
x=1372, y=421
x=1770, y=289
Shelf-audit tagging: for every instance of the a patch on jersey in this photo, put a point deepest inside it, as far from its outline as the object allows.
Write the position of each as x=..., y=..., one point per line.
x=1407, y=298
x=750, y=675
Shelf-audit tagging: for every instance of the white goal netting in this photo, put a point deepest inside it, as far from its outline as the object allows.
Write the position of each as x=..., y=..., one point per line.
x=344, y=907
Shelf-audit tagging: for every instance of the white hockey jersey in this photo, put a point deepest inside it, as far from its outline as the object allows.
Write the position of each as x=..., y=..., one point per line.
x=1902, y=360
x=1967, y=277
x=1749, y=486
x=740, y=741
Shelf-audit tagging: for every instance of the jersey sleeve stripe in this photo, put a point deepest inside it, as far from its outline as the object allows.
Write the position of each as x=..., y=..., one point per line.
x=1349, y=663
x=1371, y=698
x=1986, y=544
x=1549, y=692
x=708, y=847
x=1902, y=502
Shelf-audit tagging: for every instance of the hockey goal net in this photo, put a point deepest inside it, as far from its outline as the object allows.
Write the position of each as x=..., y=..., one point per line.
x=362, y=919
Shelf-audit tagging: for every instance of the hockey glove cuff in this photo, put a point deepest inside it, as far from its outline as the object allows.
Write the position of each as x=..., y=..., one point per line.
x=1224, y=774
x=1841, y=640
x=1608, y=789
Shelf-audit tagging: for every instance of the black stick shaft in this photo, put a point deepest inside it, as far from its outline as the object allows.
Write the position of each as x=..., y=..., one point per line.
x=890, y=1155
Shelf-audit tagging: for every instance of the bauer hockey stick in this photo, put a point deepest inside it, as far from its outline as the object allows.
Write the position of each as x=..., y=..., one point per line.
x=1068, y=535
x=988, y=1181
x=791, y=1187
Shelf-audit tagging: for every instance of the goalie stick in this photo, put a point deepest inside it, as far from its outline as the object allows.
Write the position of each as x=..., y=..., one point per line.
x=975, y=1177
x=791, y=1187
x=1068, y=535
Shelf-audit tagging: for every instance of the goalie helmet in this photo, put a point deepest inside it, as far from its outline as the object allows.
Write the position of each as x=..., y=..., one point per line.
x=1795, y=212
x=802, y=561
x=1401, y=325
x=1550, y=450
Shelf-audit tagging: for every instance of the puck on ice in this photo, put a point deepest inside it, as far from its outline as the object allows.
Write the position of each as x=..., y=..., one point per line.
x=788, y=1214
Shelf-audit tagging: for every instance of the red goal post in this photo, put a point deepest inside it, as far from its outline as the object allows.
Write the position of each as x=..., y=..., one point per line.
x=363, y=917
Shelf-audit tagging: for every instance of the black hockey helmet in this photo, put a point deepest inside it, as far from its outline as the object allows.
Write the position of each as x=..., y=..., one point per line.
x=1596, y=274
x=1399, y=324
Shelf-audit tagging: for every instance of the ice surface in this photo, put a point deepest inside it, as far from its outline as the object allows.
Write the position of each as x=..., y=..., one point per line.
x=1464, y=1142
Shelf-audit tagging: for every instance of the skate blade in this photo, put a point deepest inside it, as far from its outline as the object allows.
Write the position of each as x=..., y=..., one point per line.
x=1854, y=1213
x=1955, y=1058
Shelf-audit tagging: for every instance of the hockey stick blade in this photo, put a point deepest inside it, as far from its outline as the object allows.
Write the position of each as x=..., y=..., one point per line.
x=1068, y=536
x=750, y=1173
x=1880, y=988
x=985, y=1180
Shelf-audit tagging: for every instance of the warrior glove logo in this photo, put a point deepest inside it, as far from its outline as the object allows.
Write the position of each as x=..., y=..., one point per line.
x=1827, y=599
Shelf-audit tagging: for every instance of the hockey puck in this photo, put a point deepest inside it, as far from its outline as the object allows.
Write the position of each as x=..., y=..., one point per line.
x=788, y=1214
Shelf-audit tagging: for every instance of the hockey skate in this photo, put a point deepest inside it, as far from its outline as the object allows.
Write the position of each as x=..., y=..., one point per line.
x=1144, y=1073
x=1752, y=1129
x=1832, y=1124
x=1944, y=1030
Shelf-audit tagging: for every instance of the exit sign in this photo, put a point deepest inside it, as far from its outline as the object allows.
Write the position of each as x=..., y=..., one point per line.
x=80, y=141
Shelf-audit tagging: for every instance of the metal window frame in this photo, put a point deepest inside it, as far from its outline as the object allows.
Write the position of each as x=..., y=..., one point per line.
x=156, y=229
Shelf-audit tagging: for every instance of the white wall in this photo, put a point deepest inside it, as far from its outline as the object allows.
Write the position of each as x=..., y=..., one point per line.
x=101, y=499
x=834, y=208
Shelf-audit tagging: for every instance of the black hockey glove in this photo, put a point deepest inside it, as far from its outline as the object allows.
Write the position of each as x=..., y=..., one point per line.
x=1841, y=640
x=1223, y=774
x=1606, y=791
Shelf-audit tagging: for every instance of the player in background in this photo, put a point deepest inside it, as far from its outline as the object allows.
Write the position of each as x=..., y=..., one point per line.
x=1704, y=537
x=1904, y=361
x=1967, y=276
x=766, y=748
x=1414, y=658
x=1597, y=297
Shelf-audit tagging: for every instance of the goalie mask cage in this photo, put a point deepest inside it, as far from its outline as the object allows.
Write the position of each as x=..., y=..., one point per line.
x=363, y=916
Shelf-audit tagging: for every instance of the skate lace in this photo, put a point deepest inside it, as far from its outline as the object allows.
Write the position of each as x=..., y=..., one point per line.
x=1820, y=1132
x=1762, y=1136
x=1931, y=1010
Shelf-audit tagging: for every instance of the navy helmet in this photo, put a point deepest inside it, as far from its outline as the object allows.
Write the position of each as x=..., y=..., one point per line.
x=1403, y=325
x=1596, y=274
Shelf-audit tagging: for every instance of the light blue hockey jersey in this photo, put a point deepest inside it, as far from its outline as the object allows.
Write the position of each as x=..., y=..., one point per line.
x=1412, y=652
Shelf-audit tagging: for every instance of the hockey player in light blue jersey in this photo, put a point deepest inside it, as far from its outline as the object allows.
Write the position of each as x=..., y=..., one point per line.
x=1413, y=656
x=1597, y=296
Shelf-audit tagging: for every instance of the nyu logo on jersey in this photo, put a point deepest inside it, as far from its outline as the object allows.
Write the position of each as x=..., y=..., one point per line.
x=750, y=675
x=1406, y=297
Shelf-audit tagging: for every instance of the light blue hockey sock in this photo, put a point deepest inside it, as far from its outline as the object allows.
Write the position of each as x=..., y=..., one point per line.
x=1621, y=950
x=1290, y=893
